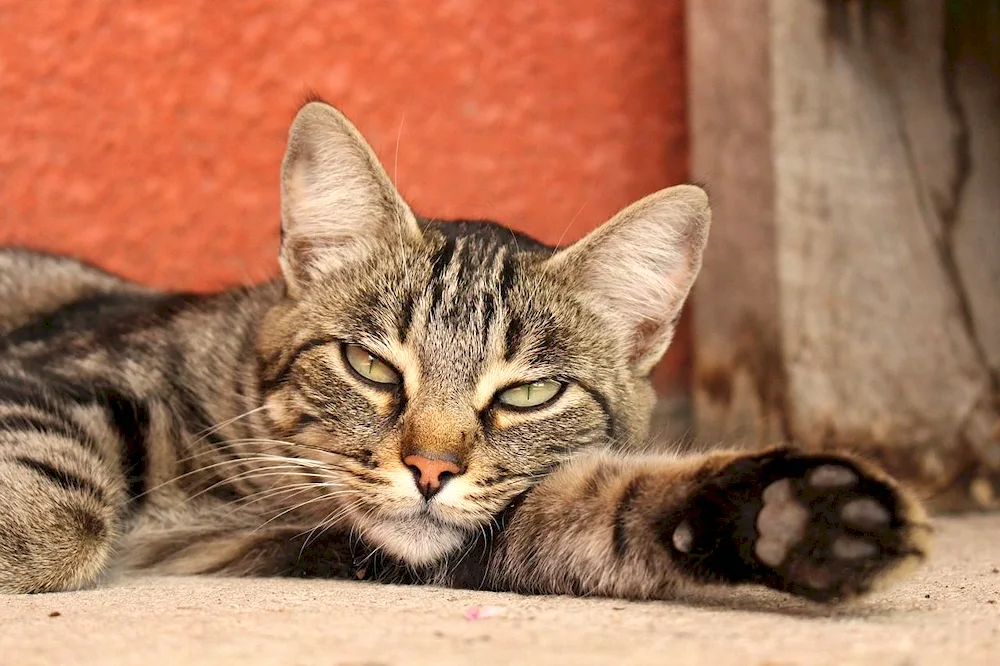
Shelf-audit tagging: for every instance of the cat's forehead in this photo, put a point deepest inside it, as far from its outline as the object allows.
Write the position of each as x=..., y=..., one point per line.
x=485, y=234
x=475, y=268
x=478, y=297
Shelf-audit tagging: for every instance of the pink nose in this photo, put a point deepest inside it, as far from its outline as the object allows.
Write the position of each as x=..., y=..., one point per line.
x=430, y=473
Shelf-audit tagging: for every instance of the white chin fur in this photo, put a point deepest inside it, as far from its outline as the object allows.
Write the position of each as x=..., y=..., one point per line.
x=413, y=540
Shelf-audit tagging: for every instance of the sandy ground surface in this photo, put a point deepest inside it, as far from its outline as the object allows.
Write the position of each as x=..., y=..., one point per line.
x=948, y=614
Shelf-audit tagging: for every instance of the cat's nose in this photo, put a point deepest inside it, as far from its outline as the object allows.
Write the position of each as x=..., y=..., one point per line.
x=431, y=473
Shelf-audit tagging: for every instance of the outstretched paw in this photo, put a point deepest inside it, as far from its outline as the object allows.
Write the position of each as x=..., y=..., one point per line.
x=823, y=527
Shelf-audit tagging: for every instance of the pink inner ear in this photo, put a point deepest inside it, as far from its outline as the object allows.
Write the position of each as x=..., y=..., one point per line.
x=652, y=336
x=644, y=336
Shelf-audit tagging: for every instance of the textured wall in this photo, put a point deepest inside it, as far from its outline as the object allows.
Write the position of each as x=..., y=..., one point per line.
x=146, y=136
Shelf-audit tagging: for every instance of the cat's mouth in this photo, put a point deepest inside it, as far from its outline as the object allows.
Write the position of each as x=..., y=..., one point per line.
x=417, y=537
x=435, y=515
x=419, y=532
x=402, y=523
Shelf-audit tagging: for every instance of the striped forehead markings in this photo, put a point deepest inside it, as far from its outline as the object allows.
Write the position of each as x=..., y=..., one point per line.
x=405, y=317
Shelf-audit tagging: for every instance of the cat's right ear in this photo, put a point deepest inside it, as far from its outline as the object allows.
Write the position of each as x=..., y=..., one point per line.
x=337, y=202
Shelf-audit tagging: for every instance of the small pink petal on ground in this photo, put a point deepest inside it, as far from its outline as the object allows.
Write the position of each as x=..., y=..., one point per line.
x=483, y=612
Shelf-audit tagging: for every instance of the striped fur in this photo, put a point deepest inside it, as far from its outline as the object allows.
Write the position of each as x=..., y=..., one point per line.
x=227, y=433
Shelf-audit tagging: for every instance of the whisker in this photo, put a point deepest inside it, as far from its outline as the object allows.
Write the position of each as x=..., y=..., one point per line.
x=465, y=552
x=293, y=508
x=558, y=243
x=357, y=524
x=309, y=532
x=370, y=555
x=254, y=474
x=265, y=472
x=328, y=521
x=328, y=497
x=277, y=489
x=249, y=475
x=269, y=493
x=229, y=445
x=200, y=436
x=269, y=458
x=178, y=477
x=486, y=567
x=292, y=491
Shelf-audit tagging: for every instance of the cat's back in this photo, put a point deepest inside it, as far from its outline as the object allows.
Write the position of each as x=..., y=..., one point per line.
x=35, y=284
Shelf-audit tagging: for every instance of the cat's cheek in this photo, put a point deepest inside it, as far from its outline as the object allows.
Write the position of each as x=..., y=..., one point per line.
x=416, y=542
x=276, y=408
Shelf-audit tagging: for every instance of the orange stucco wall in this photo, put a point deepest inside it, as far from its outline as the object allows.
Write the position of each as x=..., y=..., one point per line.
x=146, y=136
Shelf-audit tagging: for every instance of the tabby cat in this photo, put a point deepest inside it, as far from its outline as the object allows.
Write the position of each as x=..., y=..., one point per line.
x=413, y=401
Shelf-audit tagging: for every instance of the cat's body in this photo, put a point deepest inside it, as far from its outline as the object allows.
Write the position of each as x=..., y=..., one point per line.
x=415, y=401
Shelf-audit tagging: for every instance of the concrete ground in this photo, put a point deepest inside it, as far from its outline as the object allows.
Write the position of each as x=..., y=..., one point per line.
x=949, y=613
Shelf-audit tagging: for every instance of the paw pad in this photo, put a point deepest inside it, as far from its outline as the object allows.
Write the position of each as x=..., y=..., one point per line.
x=822, y=526
x=865, y=513
x=847, y=548
x=828, y=531
x=683, y=538
x=814, y=575
x=832, y=476
x=780, y=524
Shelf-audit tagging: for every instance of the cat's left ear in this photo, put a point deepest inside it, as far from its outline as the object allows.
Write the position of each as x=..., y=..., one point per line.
x=640, y=266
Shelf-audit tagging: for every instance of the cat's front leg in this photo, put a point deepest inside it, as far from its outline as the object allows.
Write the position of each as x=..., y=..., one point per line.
x=60, y=500
x=823, y=527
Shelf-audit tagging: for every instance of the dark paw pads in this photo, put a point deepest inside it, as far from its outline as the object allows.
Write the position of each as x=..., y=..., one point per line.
x=823, y=527
x=833, y=533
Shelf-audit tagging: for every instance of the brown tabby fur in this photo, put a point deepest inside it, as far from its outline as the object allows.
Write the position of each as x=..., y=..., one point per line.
x=226, y=434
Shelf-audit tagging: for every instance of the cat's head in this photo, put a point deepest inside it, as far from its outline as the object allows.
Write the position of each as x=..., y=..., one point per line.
x=447, y=367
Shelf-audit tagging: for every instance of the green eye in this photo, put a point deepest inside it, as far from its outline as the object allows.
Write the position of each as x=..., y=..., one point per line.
x=533, y=394
x=370, y=366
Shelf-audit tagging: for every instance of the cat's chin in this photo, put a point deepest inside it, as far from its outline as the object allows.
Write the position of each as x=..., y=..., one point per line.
x=415, y=540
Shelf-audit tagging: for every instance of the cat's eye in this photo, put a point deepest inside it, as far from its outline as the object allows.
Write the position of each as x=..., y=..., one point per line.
x=370, y=366
x=532, y=394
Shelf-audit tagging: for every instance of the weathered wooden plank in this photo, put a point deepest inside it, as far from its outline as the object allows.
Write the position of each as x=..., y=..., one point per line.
x=869, y=316
x=739, y=385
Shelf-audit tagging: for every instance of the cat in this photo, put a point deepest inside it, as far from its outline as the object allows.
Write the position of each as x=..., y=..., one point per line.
x=411, y=401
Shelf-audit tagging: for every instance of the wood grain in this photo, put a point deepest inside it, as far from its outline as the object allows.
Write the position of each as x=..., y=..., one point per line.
x=860, y=280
